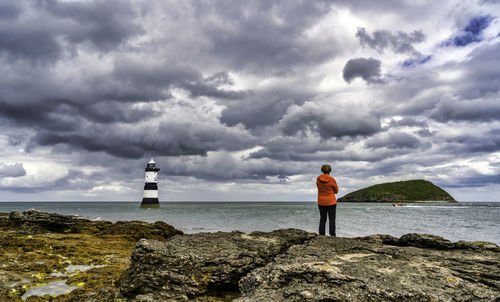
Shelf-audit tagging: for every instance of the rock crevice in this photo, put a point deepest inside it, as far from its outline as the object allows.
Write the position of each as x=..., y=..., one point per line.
x=196, y=265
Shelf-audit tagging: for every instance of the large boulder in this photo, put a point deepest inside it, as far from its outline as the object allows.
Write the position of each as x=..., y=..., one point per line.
x=195, y=265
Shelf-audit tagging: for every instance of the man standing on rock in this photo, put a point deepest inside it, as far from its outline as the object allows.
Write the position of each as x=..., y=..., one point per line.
x=327, y=203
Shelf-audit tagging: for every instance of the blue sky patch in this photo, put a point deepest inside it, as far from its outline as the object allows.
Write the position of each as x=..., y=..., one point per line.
x=478, y=24
x=415, y=61
x=471, y=33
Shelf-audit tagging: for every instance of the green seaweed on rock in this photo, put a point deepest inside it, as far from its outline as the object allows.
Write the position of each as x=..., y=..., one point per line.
x=35, y=254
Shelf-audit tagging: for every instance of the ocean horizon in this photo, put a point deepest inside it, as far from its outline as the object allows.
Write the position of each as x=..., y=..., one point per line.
x=470, y=221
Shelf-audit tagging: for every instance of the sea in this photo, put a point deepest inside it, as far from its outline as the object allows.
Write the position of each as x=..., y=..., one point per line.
x=471, y=221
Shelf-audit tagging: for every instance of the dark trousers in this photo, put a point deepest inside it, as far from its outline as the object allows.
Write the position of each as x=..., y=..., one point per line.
x=323, y=212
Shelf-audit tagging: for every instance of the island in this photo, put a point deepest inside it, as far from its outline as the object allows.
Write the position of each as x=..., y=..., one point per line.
x=53, y=257
x=401, y=191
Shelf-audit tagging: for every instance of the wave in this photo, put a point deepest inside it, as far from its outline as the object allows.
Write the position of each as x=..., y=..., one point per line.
x=439, y=207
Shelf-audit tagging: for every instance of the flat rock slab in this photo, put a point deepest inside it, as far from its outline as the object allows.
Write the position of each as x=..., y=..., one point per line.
x=367, y=269
x=293, y=265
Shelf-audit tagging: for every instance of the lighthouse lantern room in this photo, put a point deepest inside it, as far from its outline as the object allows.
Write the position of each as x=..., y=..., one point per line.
x=150, y=199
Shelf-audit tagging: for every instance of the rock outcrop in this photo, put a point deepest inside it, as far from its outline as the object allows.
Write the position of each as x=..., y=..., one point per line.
x=366, y=269
x=202, y=264
x=293, y=265
x=35, y=221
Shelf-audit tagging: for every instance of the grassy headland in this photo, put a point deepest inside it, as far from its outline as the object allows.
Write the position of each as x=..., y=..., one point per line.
x=400, y=191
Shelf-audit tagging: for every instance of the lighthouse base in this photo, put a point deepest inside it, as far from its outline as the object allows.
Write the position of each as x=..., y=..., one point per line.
x=150, y=203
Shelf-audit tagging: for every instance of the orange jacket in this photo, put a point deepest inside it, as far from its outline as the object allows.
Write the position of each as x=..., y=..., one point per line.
x=327, y=188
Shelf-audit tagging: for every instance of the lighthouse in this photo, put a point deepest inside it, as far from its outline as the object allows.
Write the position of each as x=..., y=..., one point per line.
x=150, y=199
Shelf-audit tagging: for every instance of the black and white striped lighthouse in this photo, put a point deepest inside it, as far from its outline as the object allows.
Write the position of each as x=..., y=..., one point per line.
x=150, y=199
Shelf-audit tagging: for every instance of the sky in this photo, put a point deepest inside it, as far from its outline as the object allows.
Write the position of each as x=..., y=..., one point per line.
x=245, y=100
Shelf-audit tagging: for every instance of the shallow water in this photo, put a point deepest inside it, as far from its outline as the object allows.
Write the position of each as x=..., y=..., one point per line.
x=457, y=221
x=55, y=288
x=71, y=270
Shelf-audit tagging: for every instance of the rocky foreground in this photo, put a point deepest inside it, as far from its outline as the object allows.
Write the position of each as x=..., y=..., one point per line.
x=39, y=248
x=283, y=265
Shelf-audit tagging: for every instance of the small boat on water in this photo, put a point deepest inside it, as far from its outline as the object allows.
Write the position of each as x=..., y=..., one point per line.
x=398, y=205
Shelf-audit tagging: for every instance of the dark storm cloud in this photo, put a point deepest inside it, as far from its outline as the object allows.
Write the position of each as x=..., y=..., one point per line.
x=475, y=181
x=263, y=108
x=471, y=32
x=223, y=166
x=425, y=132
x=486, y=142
x=398, y=42
x=65, y=115
x=60, y=111
x=255, y=112
x=114, y=112
x=219, y=78
x=210, y=87
x=73, y=180
x=162, y=76
x=91, y=111
x=100, y=98
x=168, y=138
x=40, y=30
x=481, y=72
x=300, y=149
x=396, y=140
x=11, y=170
x=159, y=74
x=134, y=81
x=328, y=121
x=103, y=23
x=408, y=121
x=16, y=139
x=396, y=164
x=43, y=115
x=367, y=69
x=198, y=89
x=32, y=43
x=308, y=149
x=265, y=36
x=476, y=110
x=9, y=10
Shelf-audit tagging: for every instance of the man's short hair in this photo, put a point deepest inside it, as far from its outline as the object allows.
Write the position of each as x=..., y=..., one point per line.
x=326, y=169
